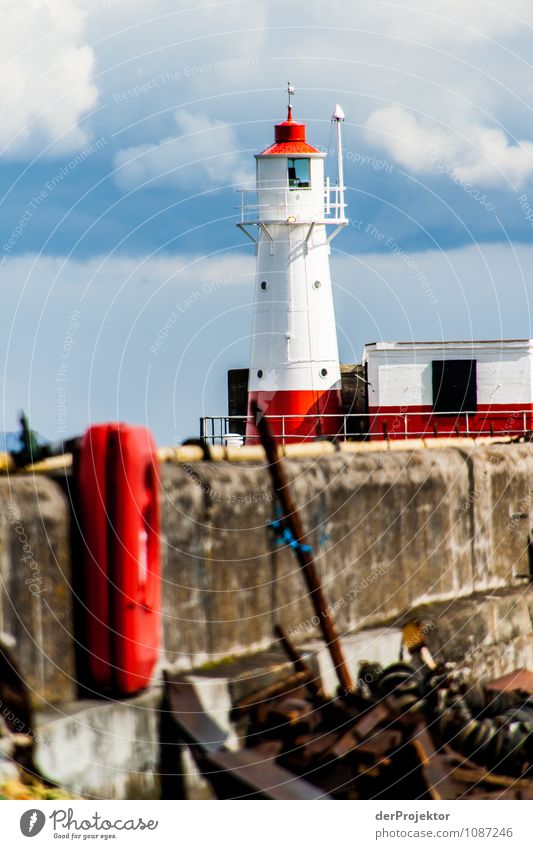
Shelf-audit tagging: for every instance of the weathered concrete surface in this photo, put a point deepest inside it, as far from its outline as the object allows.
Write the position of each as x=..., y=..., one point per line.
x=218, y=591
x=500, y=501
x=105, y=749
x=390, y=531
x=488, y=634
x=35, y=585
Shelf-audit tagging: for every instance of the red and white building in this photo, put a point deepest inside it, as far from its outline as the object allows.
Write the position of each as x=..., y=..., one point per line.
x=442, y=388
x=292, y=217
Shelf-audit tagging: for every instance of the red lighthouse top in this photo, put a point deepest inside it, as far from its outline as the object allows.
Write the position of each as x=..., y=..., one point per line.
x=289, y=137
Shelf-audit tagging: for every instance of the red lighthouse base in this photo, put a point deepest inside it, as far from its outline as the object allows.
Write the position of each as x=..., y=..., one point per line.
x=298, y=416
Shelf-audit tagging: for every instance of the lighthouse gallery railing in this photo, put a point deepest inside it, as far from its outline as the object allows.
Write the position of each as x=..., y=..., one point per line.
x=283, y=206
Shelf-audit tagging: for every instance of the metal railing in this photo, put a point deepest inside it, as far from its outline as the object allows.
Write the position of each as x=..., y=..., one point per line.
x=283, y=206
x=223, y=430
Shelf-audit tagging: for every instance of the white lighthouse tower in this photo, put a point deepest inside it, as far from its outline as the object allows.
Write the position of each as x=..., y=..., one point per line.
x=294, y=363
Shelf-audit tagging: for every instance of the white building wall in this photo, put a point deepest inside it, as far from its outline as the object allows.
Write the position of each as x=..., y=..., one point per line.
x=400, y=374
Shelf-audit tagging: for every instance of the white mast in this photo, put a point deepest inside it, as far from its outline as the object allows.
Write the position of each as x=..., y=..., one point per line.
x=338, y=117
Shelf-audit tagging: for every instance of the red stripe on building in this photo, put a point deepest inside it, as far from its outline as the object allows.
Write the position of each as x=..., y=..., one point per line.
x=396, y=422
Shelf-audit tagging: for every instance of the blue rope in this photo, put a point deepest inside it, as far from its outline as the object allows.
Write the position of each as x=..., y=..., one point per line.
x=285, y=536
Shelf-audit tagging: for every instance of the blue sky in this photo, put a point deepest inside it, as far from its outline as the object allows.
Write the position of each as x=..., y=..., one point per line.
x=126, y=128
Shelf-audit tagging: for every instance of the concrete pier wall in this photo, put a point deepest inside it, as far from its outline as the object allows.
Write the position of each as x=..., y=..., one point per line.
x=35, y=585
x=390, y=531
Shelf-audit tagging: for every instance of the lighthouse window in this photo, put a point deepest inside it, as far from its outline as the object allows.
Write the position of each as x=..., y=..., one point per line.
x=299, y=173
x=454, y=386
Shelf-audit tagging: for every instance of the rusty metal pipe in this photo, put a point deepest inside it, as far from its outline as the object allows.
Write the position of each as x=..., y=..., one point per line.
x=313, y=684
x=292, y=520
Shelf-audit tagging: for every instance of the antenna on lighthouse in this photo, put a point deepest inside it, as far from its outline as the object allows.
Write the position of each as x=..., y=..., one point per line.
x=290, y=92
x=338, y=118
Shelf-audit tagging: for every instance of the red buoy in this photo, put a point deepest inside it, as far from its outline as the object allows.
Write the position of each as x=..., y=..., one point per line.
x=118, y=494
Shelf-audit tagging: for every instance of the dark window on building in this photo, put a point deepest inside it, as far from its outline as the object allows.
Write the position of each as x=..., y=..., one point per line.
x=299, y=173
x=238, y=399
x=454, y=386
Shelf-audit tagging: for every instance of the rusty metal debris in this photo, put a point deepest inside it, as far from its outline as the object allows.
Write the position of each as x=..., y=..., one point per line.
x=419, y=736
x=17, y=715
x=313, y=685
x=520, y=679
x=241, y=774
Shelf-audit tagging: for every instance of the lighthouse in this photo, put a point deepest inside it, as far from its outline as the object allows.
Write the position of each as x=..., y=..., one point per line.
x=292, y=217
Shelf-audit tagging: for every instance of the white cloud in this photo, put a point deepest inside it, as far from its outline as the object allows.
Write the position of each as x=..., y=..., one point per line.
x=446, y=20
x=203, y=154
x=469, y=152
x=46, y=78
x=461, y=63
x=457, y=69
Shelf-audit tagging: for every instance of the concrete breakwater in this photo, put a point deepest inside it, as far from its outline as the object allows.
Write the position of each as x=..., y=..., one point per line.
x=391, y=531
